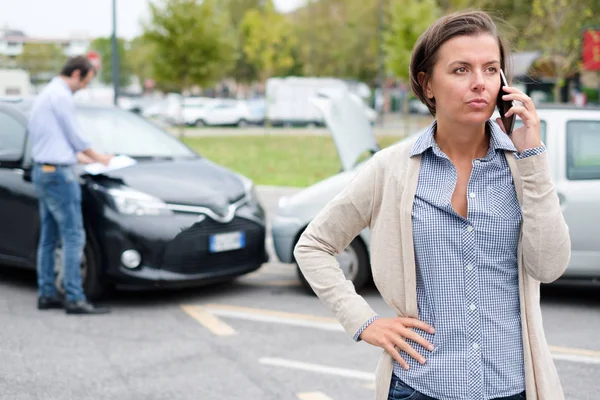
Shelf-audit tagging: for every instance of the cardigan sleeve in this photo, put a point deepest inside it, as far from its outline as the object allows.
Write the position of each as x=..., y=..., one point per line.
x=329, y=233
x=546, y=243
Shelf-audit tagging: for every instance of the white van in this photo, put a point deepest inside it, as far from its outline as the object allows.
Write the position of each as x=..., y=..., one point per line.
x=15, y=83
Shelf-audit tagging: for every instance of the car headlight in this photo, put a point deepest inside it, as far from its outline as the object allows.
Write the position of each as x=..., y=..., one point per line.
x=133, y=202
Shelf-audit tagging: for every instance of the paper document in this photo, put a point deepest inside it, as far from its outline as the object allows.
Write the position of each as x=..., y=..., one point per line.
x=117, y=162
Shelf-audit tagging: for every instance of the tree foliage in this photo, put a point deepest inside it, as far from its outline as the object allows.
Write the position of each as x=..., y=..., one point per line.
x=42, y=60
x=103, y=46
x=192, y=43
x=407, y=21
x=269, y=41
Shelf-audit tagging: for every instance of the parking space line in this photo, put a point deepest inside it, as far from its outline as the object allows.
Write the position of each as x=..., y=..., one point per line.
x=583, y=356
x=208, y=320
x=573, y=351
x=278, y=317
x=322, y=369
x=313, y=396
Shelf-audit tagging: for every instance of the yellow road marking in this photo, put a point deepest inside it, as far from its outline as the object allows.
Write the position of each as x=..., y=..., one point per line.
x=579, y=352
x=209, y=321
x=280, y=314
x=313, y=396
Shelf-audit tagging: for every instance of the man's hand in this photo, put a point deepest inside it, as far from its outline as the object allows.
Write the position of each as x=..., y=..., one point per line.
x=389, y=334
x=83, y=159
x=97, y=157
x=104, y=158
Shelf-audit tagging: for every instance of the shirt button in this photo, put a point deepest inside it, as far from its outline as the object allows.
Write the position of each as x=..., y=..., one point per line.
x=472, y=195
x=472, y=307
x=477, y=162
x=475, y=346
x=469, y=267
x=469, y=228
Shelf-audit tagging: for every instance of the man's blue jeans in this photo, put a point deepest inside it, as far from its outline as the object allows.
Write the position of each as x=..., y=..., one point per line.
x=60, y=218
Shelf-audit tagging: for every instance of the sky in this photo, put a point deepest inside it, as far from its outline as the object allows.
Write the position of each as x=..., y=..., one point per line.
x=64, y=18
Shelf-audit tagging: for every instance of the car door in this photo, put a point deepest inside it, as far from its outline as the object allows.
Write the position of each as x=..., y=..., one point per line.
x=579, y=190
x=19, y=223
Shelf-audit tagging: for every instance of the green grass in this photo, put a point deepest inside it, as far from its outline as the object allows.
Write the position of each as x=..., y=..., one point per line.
x=285, y=160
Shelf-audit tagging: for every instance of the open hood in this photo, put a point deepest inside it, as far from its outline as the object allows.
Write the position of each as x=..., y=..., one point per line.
x=346, y=117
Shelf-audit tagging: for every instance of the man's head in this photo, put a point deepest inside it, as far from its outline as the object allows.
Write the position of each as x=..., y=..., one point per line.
x=77, y=73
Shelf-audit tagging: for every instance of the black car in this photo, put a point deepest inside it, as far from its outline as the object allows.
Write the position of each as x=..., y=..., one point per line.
x=172, y=219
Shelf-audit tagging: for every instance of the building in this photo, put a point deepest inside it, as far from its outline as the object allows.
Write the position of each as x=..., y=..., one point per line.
x=13, y=41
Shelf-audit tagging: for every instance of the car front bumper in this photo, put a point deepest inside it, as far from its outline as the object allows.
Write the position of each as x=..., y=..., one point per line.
x=175, y=250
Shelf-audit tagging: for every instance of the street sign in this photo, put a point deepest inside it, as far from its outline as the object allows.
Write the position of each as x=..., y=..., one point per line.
x=591, y=50
x=94, y=58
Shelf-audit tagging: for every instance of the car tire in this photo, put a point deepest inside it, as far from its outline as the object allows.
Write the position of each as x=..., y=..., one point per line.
x=354, y=261
x=242, y=123
x=94, y=285
x=200, y=124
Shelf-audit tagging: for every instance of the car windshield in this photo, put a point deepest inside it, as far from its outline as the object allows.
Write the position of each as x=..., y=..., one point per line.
x=115, y=131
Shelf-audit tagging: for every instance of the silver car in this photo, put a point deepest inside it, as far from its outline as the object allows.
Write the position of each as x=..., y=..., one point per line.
x=572, y=138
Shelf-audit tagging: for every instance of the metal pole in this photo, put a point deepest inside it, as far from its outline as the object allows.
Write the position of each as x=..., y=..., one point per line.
x=115, y=53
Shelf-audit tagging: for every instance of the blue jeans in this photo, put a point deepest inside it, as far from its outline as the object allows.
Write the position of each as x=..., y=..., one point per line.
x=59, y=195
x=401, y=391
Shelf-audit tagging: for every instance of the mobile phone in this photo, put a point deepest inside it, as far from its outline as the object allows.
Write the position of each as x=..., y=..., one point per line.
x=504, y=106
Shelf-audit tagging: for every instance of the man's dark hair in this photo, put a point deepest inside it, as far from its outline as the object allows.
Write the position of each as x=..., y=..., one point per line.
x=80, y=63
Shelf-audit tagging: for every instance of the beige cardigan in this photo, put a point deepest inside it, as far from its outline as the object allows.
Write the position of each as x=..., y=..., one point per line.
x=380, y=197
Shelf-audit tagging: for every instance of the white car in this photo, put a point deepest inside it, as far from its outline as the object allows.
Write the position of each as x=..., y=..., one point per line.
x=572, y=138
x=226, y=113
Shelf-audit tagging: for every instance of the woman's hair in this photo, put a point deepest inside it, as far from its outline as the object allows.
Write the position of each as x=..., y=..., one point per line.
x=425, y=52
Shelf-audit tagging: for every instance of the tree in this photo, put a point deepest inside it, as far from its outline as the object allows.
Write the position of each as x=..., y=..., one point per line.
x=192, y=43
x=243, y=70
x=269, y=41
x=407, y=21
x=103, y=46
x=556, y=30
x=338, y=38
x=139, y=57
x=42, y=60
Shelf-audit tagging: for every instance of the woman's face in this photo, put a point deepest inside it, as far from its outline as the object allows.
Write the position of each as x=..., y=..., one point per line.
x=466, y=79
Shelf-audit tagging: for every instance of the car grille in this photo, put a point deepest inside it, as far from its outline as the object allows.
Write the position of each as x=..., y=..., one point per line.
x=188, y=252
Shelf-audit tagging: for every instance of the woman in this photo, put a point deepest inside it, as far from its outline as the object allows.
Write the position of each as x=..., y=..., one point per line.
x=465, y=224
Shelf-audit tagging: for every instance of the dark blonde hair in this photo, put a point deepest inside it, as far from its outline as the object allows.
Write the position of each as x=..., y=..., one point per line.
x=462, y=23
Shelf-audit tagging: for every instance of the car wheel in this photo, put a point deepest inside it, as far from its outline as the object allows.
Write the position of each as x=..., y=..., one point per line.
x=354, y=262
x=200, y=123
x=93, y=283
x=242, y=123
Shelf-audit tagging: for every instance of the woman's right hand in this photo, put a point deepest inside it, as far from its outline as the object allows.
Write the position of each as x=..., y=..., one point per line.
x=390, y=335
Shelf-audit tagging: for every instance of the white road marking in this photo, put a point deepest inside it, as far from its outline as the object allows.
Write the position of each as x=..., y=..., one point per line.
x=313, y=396
x=322, y=369
x=277, y=317
x=209, y=321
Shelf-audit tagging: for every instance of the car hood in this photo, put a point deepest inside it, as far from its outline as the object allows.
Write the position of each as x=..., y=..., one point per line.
x=348, y=123
x=196, y=181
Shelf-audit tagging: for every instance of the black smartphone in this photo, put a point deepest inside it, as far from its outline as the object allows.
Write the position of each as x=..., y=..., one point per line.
x=504, y=106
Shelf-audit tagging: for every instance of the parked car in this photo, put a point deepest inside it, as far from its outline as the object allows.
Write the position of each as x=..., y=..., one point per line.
x=572, y=138
x=227, y=112
x=173, y=219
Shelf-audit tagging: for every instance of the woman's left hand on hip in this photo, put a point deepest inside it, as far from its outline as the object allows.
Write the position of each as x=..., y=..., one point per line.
x=527, y=136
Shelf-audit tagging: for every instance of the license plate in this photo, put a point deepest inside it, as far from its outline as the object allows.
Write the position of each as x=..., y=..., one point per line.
x=227, y=241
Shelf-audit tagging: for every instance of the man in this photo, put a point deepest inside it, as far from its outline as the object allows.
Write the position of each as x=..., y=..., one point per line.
x=56, y=145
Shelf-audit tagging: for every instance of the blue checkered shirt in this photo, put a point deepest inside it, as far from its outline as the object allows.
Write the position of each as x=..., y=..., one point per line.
x=467, y=279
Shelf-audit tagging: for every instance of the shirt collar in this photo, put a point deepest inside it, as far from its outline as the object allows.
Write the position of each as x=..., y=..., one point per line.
x=498, y=139
x=57, y=80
